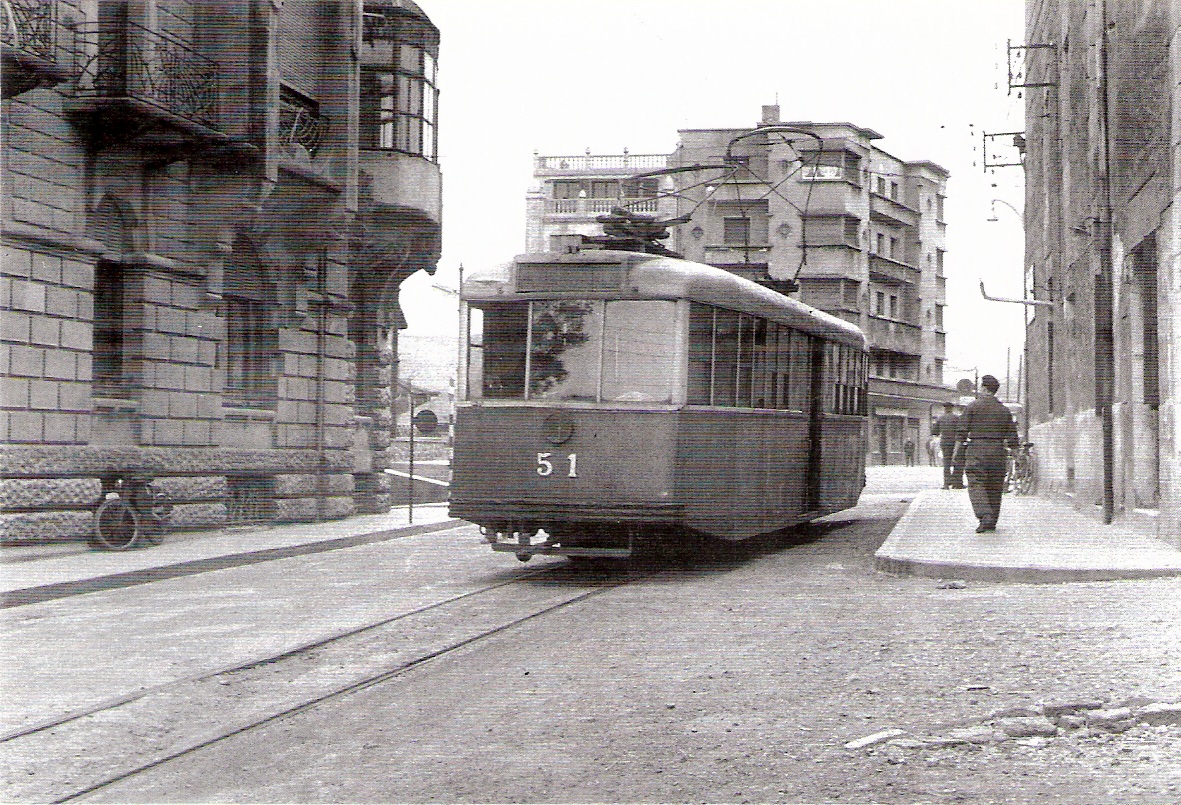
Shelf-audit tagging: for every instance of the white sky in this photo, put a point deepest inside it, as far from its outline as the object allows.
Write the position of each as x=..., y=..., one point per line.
x=559, y=76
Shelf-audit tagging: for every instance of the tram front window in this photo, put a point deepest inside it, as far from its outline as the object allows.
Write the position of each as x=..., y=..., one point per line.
x=579, y=350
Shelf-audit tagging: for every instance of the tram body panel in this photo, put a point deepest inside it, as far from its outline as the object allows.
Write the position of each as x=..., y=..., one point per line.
x=741, y=474
x=614, y=462
x=842, y=469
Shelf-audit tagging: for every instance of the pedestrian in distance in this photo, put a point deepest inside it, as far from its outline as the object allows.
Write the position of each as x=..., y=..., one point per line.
x=989, y=432
x=947, y=428
x=908, y=449
x=933, y=451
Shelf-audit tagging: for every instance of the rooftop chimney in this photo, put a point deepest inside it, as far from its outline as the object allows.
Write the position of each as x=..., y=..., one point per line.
x=771, y=114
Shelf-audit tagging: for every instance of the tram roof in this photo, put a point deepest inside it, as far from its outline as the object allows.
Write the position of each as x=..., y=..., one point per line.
x=649, y=276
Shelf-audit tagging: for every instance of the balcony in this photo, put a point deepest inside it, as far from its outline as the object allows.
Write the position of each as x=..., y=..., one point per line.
x=891, y=211
x=599, y=206
x=608, y=163
x=147, y=77
x=895, y=336
x=301, y=127
x=891, y=271
x=28, y=33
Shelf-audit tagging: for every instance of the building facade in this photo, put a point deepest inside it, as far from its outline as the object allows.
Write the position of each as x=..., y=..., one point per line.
x=1103, y=244
x=573, y=191
x=208, y=208
x=826, y=215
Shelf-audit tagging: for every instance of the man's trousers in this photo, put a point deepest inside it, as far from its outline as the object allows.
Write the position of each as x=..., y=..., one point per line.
x=985, y=467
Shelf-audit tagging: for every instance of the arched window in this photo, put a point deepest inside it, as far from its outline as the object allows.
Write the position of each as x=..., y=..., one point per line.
x=109, y=224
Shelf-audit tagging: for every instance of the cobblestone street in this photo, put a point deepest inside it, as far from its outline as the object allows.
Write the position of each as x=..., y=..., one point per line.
x=793, y=673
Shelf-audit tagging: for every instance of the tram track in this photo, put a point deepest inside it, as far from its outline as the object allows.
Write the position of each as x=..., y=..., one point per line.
x=78, y=753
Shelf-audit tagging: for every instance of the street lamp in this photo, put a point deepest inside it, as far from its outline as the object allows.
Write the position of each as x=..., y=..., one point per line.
x=1023, y=370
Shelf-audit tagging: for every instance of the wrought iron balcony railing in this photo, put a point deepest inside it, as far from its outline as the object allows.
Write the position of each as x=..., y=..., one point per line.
x=29, y=26
x=300, y=123
x=127, y=61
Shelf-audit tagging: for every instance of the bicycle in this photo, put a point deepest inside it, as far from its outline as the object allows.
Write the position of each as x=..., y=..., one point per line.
x=131, y=515
x=1022, y=472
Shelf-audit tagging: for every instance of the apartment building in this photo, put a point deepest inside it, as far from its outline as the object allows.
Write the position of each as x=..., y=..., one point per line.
x=573, y=191
x=208, y=207
x=825, y=214
x=1102, y=87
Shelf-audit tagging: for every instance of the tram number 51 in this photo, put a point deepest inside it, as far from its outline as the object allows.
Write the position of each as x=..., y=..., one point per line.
x=545, y=466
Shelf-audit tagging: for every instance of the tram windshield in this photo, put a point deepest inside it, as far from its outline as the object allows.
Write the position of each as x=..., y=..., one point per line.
x=587, y=350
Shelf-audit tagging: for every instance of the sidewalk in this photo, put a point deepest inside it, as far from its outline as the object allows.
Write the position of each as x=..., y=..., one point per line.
x=1037, y=540
x=41, y=573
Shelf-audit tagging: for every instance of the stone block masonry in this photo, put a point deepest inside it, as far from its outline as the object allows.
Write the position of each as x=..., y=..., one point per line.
x=47, y=347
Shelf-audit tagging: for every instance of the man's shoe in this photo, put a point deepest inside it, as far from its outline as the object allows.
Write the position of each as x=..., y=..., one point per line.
x=985, y=529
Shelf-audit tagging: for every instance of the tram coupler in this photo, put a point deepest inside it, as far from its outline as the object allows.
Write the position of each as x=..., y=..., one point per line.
x=520, y=543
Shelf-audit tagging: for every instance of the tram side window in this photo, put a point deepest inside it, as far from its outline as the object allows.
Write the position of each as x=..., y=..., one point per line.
x=800, y=388
x=566, y=348
x=639, y=341
x=762, y=373
x=725, y=369
x=747, y=326
x=496, y=367
x=848, y=375
x=701, y=350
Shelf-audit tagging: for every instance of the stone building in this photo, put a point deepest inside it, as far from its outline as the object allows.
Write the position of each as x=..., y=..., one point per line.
x=1102, y=84
x=208, y=208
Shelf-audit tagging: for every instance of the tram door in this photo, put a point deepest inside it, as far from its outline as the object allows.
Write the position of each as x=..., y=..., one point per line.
x=815, y=414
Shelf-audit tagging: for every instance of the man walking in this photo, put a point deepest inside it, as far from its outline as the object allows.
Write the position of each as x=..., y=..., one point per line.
x=988, y=427
x=947, y=428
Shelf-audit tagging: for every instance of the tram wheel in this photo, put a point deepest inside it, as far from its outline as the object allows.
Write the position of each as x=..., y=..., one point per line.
x=116, y=525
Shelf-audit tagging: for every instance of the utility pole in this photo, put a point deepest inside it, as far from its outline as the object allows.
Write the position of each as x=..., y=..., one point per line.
x=1104, y=326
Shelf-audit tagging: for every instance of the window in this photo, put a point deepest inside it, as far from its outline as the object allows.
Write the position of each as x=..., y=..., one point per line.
x=566, y=189
x=881, y=243
x=604, y=189
x=640, y=188
x=939, y=317
x=251, y=352
x=880, y=186
x=615, y=351
x=399, y=101
x=881, y=303
x=736, y=231
x=894, y=190
x=895, y=252
x=893, y=306
x=823, y=165
x=746, y=361
x=847, y=371
x=109, y=376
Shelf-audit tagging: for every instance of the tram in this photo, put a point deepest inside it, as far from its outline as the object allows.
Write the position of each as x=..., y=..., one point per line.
x=608, y=397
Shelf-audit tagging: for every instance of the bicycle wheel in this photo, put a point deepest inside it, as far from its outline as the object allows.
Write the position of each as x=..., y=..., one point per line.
x=116, y=525
x=1025, y=476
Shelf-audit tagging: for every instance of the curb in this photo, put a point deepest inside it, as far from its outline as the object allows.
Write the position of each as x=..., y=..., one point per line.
x=1031, y=574
x=50, y=592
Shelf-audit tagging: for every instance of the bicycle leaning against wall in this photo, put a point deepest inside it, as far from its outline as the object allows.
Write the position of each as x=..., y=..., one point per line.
x=1022, y=472
x=132, y=514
